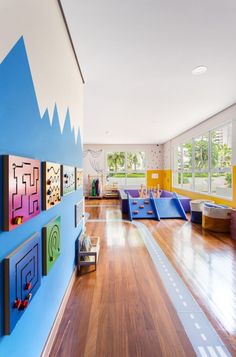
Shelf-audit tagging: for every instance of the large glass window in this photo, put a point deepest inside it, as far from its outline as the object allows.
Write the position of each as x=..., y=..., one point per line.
x=187, y=156
x=187, y=181
x=126, y=168
x=201, y=153
x=177, y=166
x=221, y=149
x=116, y=162
x=203, y=164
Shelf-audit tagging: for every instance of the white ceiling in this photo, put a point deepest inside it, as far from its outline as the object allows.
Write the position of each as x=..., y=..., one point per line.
x=137, y=57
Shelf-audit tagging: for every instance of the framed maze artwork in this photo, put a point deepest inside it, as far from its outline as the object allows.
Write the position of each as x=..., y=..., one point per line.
x=51, y=184
x=67, y=179
x=22, y=278
x=21, y=190
x=78, y=178
x=51, y=244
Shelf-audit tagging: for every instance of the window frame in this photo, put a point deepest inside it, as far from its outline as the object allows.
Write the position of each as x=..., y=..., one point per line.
x=210, y=171
x=189, y=171
x=126, y=172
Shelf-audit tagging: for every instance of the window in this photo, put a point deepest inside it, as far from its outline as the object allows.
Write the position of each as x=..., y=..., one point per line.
x=126, y=168
x=116, y=167
x=203, y=164
x=178, y=166
x=116, y=161
x=187, y=180
x=221, y=149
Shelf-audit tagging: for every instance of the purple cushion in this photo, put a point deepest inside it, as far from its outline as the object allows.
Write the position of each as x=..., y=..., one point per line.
x=185, y=201
x=166, y=194
x=133, y=193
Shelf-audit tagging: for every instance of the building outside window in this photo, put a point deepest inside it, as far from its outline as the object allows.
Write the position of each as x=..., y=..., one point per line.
x=204, y=163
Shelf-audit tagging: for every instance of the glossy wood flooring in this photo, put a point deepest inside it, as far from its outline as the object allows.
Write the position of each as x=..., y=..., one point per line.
x=207, y=264
x=123, y=309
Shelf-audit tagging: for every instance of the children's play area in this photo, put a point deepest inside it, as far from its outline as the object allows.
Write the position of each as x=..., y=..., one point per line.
x=160, y=204
x=117, y=178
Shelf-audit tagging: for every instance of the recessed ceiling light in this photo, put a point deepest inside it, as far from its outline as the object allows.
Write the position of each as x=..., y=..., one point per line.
x=199, y=70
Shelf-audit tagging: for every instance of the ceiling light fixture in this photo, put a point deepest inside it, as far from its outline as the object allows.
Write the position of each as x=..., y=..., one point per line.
x=199, y=70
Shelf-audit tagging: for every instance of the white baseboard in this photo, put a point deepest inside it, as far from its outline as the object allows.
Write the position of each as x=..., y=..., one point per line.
x=51, y=337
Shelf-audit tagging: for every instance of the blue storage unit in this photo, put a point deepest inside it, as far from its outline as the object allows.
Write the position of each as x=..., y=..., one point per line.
x=196, y=207
x=196, y=217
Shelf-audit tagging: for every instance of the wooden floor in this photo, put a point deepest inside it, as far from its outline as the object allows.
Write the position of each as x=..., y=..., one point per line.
x=207, y=264
x=123, y=309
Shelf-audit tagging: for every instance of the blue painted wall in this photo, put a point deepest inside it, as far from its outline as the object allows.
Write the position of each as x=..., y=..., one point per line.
x=23, y=132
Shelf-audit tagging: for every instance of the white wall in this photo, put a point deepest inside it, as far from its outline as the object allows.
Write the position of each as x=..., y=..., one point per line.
x=40, y=22
x=167, y=155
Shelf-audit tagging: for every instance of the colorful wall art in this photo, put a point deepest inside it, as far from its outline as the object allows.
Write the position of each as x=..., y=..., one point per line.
x=79, y=212
x=78, y=178
x=21, y=190
x=51, y=244
x=68, y=179
x=34, y=125
x=51, y=184
x=22, y=269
